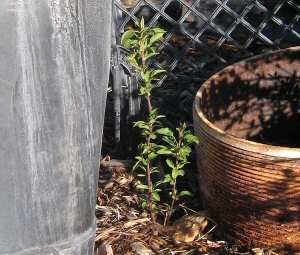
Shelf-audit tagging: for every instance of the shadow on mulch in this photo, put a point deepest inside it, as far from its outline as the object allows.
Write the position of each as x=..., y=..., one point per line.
x=123, y=228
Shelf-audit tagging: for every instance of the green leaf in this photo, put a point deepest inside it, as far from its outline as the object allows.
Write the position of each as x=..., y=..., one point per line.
x=183, y=164
x=141, y=124
x=186, y=150
x=158, y=30
x=146, y=75
x=156, y=184
x=136, y=165
x=170, y=163
x=159, y=147
x=142, y=23
x=127, y=38
x=155, y=170
x=152, y=155
x=180, y=173
x=151, y=54
x=160, y=116
x=168, y=140
x=167, y=178
x=164, y=152
x=154, y=207
x=156, y=196
x=156, y=37
x=140, y=159
x=144, y=204
x=153, y=136
x=185, y=193
x=157, y=72
x=133, y=61
x=190, y=138
x=165, y=131
x=142, y=186
x=141, y=162
x=174, y=174
x=142, y=91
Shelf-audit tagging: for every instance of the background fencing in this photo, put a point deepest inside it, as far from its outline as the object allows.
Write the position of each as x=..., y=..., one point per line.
x=203, y=36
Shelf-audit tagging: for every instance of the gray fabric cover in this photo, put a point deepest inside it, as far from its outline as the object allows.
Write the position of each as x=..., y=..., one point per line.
x=54, y=64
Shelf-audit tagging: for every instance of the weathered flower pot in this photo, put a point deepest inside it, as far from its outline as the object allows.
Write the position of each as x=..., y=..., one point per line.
x=247, y=118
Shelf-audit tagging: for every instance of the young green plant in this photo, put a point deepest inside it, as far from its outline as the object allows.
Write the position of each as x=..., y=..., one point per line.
x=158, y=141
x=141, y=43
x=178, y=150
x=148, y=153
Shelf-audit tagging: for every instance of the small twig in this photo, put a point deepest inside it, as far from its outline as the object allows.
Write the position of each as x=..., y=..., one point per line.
x=131, y=223
x=105, y=233
x=209, y=231
x=189, y=209
x=178, y=251
x=108, y=162
x=189, y=252
x=165, y=249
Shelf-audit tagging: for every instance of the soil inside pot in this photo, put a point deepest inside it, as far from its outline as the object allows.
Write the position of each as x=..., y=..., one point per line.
x=286, y=132
x=260, y=107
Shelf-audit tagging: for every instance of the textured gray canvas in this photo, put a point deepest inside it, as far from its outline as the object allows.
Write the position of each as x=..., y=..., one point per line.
x=54, y=64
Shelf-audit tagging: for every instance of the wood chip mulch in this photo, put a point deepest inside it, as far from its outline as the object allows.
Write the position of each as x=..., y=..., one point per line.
x=124, y=229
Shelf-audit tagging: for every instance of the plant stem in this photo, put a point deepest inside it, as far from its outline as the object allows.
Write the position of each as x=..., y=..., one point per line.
x=174, y=193
x=149, y=167
x=174, y=190
x=149, y=104
x=149, y=179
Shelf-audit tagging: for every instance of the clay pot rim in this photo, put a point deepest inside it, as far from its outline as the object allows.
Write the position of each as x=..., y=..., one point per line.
x=210, y=128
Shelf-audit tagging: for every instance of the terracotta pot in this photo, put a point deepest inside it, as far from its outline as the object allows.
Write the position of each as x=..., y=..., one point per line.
x=247, y=118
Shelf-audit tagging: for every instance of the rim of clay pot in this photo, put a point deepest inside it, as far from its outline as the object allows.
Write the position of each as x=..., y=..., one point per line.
x=247, y=145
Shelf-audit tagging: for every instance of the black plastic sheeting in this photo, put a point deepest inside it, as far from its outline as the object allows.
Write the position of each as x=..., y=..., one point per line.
x=54, y=65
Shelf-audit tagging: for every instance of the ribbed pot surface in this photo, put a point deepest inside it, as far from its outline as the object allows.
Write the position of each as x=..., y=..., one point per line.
x=247, y=118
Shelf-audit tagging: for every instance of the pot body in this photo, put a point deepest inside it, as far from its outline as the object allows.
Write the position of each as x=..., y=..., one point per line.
x=54, y=63
x=247, y=121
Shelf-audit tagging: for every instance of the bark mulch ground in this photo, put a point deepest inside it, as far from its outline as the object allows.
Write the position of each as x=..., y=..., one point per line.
x=123, y=228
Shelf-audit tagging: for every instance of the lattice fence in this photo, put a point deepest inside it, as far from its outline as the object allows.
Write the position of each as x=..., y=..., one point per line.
x=203, y=37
